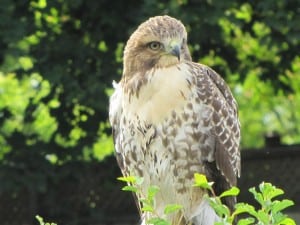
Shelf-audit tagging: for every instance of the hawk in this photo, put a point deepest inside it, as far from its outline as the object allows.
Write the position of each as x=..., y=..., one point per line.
x=172, y=118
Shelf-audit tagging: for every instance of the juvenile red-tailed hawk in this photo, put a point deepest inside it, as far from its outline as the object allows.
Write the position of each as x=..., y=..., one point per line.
x=171, y=118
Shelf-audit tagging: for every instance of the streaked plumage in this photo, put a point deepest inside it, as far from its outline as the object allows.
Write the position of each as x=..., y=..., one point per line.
x=171, y=118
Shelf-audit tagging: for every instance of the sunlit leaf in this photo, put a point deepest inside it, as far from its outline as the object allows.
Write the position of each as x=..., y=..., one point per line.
x=246, y=221
x=262, y=216
x=102, y=46
x=269, y=191
x=258, y=196
x=217, y=205
x=172, y=208
x=201, y=181
x=26, y=63
x=128, y=179
x=234, y=191
x=152, y=190
x=244, y=208
x=280, y=205
x=147, y=208
x=130, y=188
x=158, y=221
x=288, y=221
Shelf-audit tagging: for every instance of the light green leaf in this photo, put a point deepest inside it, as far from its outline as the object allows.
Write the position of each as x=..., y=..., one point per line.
x=280, y=205
x=41, y=221
x=221, y=223
x=216, y=204
x=288, y=221
x=234, y=191
x=257, y=196
x=102, y=47
x=201, y=181
x=152, y=190
x=277, y=218
x=128, y=179
x=172, y=208
x=130, y=188
x=147, y=208
x=244, y=208
x=263, y=217
x=269, y=191
x=158, y=221
x=246, y=221
x=26, y=63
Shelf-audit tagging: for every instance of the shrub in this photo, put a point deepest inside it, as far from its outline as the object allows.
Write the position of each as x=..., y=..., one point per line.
x=269, y=212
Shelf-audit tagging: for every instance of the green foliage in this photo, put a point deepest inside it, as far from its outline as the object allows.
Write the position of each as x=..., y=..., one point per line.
x=201, y=181
x=41, y=221
x=269, y=213
x=255, y=71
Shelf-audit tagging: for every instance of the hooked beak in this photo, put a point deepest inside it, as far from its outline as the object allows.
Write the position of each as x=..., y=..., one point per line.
x=175, y=50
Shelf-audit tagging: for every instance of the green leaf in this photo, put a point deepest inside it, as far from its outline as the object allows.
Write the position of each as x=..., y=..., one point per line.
x=41, y=4
x=102, y=47
x=245, y=12
x=263, y=217
x=172, y=208
x=130, y=188
x=220, y=223
x=288, y=221
x=157, y=221
x=246, y=221
x=280, y=205
x=234, y=191
x=41, y=221
x=269, y=191
x=152, y=190
x=244, y=208
x=201, y=181
x=216, y=204
x=26, y=63
x=257, y=196
x=147, y=208
x=130, y=179
x=277, y=218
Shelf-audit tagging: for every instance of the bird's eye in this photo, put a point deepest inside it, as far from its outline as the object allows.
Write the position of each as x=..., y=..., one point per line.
x=155, y=45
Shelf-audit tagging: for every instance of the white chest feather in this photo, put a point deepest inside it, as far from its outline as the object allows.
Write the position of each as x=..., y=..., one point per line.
x=166, y=90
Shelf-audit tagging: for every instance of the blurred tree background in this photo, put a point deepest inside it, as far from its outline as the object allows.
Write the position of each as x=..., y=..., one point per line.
x=58, y=59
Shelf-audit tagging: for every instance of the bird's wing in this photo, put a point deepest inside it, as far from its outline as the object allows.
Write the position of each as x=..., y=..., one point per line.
x=226, y=129
x=222, y=161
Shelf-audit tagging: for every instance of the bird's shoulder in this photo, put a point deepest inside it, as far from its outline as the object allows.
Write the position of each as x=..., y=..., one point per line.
x=205, y=77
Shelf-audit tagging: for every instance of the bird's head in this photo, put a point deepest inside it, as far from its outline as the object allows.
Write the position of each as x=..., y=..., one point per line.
x=160, y=41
